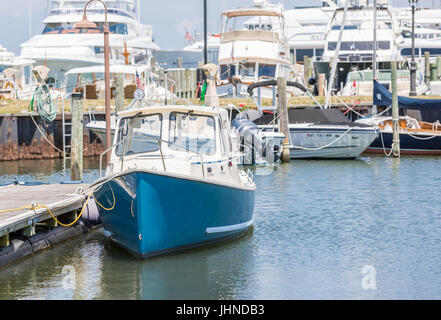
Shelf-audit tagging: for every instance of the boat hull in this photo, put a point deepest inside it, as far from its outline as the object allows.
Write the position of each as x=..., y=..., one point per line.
x=408, y=145
x=158, y=213
x=318, y=143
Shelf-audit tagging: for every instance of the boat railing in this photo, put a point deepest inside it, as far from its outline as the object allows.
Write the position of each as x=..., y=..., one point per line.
x=160, y=142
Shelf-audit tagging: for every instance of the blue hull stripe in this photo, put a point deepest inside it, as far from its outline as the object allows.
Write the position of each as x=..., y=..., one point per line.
x=235, y=227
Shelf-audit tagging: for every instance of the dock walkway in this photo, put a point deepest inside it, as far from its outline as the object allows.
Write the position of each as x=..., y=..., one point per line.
x=63, y=200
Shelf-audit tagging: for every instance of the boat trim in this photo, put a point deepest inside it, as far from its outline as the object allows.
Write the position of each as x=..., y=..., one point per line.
x=230, y=228
x=244, y=187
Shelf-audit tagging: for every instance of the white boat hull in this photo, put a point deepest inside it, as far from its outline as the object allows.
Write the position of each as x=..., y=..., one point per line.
x=340, y=142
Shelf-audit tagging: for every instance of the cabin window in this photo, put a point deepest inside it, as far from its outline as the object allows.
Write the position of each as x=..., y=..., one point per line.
x=267, y=70
x=359, y=45
x=193, y=133
x=247, y=69
x=227, y=71
x=140, y=135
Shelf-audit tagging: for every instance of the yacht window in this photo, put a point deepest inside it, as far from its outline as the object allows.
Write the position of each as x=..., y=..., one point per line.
x=267, y=70
x=247, y=69
x=227, y=71
x=191, y=132
x=141, y=135
x=359, y=45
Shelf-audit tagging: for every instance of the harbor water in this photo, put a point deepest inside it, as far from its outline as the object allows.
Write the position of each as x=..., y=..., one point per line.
x=362, y=229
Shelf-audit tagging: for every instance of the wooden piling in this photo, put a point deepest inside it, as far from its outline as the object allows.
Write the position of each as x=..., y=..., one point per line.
x=282, y=110
x=4, y=241
x=180, y=63
x=76, y=163
x=308, y=69
x=321, y=84
x=119, y=92
x=433, y=72
x=427, y=67
x=438, y=64
x=395, y=112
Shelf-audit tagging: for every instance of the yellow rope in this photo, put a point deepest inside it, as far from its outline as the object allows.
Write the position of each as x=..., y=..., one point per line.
x=40, y=206
x=114, y=200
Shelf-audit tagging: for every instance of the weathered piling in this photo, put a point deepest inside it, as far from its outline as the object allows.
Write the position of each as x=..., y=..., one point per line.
x=282, y=111
x=180, y=63
x=433, y=72
x=438, y=64
x=119, y=92
x=77, y=134
x=321, y=84
x=395, y=112
x=308, y=69
x=427, y=67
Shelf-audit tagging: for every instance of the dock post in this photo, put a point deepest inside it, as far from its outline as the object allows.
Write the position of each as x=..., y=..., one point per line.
x=321, y=84
x=433, y=72
x=119, y=92
x=308, y=69
x=282, y=111
x=180, y=63
x=395, y=112
x=427, y=67
x=76, y=162
x=438, y=64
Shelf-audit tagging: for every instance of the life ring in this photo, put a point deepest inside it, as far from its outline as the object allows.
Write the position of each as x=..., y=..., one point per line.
x=8, y=85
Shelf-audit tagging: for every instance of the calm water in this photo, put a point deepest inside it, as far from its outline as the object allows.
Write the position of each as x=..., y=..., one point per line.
x=318, y=223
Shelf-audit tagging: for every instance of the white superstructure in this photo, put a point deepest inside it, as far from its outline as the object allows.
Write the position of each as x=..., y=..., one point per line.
x=61, y=47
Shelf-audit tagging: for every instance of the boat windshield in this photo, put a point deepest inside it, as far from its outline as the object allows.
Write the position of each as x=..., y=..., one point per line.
x=247, y=69
x=267, y=70
x=140, y=135
x=192, y=132
x=227, y=71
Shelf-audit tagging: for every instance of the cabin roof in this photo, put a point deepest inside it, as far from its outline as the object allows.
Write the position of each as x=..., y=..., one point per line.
x=113, y=69
x=251, y=12
x=200, y=110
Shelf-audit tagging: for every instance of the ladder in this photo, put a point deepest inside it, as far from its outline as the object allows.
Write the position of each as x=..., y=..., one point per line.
x=66, y=138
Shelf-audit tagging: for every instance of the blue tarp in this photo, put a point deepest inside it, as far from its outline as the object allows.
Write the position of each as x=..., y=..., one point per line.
x=383, y=98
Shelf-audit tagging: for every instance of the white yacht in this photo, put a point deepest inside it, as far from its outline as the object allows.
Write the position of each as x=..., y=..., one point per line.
x=356, y=51
x=61, y=47
x=16, y=79
x=253, y=52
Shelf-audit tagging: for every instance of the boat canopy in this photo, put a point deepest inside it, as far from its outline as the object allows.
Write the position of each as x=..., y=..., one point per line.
x=383, y=98
x=113, y=69
x=251, y=12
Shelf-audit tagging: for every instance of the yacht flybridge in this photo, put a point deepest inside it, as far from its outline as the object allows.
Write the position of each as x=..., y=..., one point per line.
x=61, y=47
x=357, y=44
x=253, y=53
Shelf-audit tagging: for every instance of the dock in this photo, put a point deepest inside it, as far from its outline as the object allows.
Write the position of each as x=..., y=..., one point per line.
x=28, y=231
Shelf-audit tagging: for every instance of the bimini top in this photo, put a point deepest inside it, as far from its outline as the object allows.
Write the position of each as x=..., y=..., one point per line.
x=113, y=69
x=320, y=116
x=251, y=12
x=209, y=111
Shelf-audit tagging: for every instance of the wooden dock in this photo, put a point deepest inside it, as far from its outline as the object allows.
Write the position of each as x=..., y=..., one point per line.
x=64, y=202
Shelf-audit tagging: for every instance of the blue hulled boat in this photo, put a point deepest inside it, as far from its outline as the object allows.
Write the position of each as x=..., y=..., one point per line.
x=172, y=182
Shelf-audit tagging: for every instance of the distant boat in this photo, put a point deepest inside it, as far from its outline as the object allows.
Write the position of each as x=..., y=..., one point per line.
x=173, y=181
x=420, y=128
x=317, y=133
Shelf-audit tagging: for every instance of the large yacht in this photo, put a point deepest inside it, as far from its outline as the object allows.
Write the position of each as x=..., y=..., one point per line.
x=356, y=51
x=250, y=50
x=62, y=47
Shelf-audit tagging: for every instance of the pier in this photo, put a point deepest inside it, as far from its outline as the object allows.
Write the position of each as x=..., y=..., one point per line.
x=28, y=217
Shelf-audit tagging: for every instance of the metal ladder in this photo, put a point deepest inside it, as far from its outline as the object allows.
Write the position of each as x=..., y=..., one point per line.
x=66, y=147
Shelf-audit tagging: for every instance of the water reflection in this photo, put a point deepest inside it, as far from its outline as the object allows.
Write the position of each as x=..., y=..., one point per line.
x=317, y=224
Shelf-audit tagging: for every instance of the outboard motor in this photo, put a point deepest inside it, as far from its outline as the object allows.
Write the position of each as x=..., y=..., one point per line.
x=251, y=145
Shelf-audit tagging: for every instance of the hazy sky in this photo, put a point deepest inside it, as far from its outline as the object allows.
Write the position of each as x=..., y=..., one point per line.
x=168, y=17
